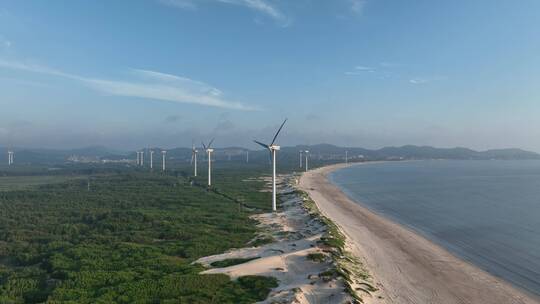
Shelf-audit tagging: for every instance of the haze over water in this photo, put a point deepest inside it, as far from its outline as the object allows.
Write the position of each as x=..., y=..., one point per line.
x=486, y=212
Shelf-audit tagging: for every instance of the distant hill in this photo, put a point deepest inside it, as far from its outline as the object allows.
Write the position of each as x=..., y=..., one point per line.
x=319, y=152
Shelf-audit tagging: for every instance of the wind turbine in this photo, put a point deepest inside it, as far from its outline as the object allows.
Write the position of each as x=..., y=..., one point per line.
x=247, y=156
x=151, y=159
x=142, y=158
x=163, y=159
x=306, y=153
x=273, y=148
x=300, y=158
x=138, y=154
x=209, y=151
x=194, y=152
x=346, y=156
x=10, y=157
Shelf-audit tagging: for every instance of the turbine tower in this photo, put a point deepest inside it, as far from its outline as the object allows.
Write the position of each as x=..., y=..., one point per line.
x=273, y=148
x=151, y=159
x=163, y=159
x=306, y=153
x=138, y=157
x=300, y=158
x=142, y=158
x=194, y=152
x=247, y=156
x=346, y=156
x=209, y=151
x=10, y=158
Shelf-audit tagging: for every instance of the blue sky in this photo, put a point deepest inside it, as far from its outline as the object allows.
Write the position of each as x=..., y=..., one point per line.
x=370, y=73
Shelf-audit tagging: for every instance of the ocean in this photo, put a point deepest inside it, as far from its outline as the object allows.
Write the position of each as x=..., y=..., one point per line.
x=485, y=212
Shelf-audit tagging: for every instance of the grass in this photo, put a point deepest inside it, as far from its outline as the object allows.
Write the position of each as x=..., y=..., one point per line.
x=231, y=262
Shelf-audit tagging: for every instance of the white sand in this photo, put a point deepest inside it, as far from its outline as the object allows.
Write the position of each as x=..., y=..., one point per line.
x=410, y=268
x=296, y=235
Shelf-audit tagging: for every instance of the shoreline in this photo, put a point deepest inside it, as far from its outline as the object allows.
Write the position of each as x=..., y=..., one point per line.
x=407, y=267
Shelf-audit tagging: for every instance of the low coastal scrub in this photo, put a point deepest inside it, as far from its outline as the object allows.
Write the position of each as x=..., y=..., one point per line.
x=231, y=262
x=346, y=265
x=316, y=257
x=129, y=237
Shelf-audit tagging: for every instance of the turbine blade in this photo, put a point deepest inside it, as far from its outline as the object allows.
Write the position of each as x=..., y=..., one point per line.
x=204, y=146
x=210, y=143
x=260, y=143
x=279, y=130
x=192, y=157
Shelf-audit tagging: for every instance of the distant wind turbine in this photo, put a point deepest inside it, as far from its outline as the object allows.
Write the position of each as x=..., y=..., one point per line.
x=142, y=158
x=307, y=154
x=151, y=159
x=194, y=152
x=163, y=159
x=273, y=148
x=346, y=156
x=247, y=156
x=209, y=151
x=10, y=158
x=300, y=158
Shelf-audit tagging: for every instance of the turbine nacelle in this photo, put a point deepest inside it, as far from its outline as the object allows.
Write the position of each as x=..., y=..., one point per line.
x=274, y=147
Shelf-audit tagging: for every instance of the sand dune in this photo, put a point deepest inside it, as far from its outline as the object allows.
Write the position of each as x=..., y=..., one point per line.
x=296, y=235
x=410, y=268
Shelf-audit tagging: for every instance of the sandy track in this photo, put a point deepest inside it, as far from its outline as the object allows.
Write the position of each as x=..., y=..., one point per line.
x=410, y=268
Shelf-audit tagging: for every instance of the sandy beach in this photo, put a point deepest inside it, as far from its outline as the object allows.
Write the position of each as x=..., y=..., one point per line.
x=407, y=267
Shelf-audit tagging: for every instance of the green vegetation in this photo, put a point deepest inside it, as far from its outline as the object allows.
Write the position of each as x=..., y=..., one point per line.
x=132, y=238
x=231, y=262
x=316, y=257
x=12, y=183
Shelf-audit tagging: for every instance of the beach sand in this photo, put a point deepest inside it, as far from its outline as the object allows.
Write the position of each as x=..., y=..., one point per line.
x=407, y=267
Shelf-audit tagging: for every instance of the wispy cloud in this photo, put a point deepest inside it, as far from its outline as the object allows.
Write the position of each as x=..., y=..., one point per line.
x=147, y=84
x=260, y=6
x=5, y=43
x=424, y=80
x=360, y=70
x=358, y=6
x=183, y=4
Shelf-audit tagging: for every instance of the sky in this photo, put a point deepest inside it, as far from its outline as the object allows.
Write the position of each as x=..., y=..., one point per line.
x=367, y=73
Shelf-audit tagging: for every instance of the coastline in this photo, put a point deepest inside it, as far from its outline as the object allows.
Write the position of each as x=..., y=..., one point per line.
x=408, y=267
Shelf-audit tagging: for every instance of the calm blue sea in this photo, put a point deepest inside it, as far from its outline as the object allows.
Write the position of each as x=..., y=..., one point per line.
x=486, y=212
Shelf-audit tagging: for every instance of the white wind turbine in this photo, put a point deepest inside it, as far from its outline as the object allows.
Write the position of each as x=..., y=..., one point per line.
x=194, y=152
x=306, y=153
x=209, y=151
x=163, y=159
x=142, y=158
x=300, y=157
x=346, y=156
x=151, y=159
x=273, y=148
x=10, y=157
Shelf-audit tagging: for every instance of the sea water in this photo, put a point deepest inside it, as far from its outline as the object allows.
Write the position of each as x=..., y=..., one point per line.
x=486, y=212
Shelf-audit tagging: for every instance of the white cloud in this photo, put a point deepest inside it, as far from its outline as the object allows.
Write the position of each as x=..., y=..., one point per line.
x=149, y=85
x=357, y=6
x=424, y=80
x=260, y=6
